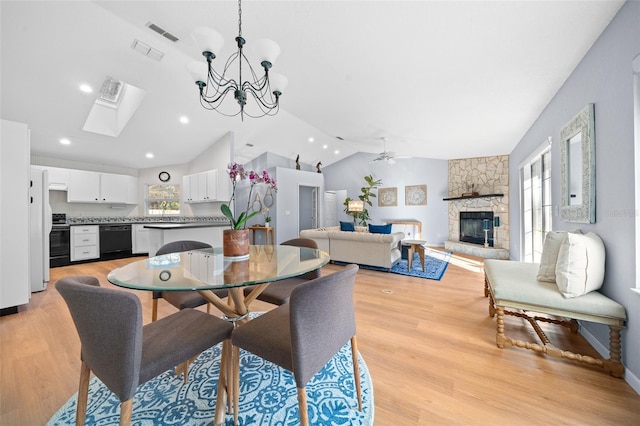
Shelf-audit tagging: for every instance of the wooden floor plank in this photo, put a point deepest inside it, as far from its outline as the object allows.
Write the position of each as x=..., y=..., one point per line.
x=429, y=346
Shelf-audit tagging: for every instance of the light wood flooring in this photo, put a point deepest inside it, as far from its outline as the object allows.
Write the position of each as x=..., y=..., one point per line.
x=429, y=346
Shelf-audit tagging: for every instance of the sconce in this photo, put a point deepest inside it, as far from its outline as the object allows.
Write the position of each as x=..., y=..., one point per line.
x=354, y=207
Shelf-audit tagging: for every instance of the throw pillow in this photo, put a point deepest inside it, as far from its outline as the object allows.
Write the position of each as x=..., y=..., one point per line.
x=580, y=267
x=549, y=257
x=347, y=226
x=380, y=229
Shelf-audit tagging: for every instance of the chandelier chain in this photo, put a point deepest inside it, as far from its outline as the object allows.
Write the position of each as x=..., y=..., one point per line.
x=240, y=18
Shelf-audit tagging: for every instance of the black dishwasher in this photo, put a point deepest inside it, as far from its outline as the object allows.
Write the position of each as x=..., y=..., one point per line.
x=115, y=241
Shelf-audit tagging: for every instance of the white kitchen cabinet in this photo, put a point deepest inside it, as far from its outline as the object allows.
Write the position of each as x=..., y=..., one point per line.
x=190, y=188
x=200, y=187
x=140, y=239
x=85, y=242
x=95, y=187
x=15, y=283
x=84, y=187
x=58, y=177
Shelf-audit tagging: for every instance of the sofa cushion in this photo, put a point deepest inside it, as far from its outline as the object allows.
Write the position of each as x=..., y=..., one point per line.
x=380, y=229
x=347, y=226
x=549, y=257
x=580, y=266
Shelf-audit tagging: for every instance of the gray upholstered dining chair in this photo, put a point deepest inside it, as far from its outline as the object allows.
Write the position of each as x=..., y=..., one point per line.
x=182, y=299
x=304, y=334
x=122, y=352
x=278, y=293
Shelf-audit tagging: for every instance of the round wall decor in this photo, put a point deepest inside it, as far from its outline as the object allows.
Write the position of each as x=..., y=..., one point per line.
x=164, y=176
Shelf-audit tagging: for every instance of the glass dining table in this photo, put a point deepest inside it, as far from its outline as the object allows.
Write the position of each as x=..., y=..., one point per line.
x=204, y=270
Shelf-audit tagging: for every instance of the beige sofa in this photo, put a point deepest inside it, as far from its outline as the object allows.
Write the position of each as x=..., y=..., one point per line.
x=359, y=247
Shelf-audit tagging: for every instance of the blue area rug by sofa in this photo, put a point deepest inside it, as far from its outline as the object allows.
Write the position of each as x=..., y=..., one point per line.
x=435, y=264
x=267, y=396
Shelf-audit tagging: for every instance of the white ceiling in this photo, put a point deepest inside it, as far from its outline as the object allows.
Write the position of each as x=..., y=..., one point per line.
x=447, y=79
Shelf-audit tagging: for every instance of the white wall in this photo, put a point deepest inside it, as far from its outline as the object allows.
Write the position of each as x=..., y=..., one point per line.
x=604, y=77
x=349, y=174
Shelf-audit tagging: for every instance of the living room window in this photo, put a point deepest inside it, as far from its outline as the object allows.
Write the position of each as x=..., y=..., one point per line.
x=636, y=115
x=162, y=199
x=535, y=199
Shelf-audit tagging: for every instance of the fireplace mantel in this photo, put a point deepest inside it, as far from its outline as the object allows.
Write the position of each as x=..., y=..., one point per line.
x=473, y=196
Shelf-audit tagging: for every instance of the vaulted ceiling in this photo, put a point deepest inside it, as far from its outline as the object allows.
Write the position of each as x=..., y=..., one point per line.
x=438, y=79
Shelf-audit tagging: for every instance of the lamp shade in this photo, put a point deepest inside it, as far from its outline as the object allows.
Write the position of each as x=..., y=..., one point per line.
x=266, y=50
x=356, y=206
x=199, y=71
x=208, y=40
x=278, y=82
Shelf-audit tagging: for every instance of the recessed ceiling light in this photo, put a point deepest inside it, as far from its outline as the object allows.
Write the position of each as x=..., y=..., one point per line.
x=86, y=88
x=325, y=146
x=65, y=141
x=311, y=140
x=184, y=119
x=336, y=152
x=149, y=155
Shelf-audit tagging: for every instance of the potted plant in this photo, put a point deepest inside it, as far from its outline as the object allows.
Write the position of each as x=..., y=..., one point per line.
x=366, y=196
x=235, y=243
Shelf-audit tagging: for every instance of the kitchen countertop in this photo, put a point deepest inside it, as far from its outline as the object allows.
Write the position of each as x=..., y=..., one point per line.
x=184, y=225
x=144, y=220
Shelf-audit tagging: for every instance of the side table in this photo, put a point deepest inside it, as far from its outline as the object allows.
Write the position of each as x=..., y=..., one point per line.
x=269, y=234
x=415, y=246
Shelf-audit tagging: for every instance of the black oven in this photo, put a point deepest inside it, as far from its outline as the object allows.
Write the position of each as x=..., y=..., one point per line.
x=59, y=241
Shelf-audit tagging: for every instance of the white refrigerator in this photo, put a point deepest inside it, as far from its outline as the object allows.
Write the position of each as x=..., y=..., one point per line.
x=40, y=227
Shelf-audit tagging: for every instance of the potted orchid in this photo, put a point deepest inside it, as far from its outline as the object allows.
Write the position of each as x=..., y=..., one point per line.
x=236, y=239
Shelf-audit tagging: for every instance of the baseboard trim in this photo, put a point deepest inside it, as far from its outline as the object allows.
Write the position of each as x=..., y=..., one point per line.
x=629, y=377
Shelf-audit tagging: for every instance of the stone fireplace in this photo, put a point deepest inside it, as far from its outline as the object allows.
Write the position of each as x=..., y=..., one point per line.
x=488, y=179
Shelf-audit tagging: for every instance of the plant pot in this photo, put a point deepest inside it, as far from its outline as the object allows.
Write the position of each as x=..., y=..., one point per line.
x=235, y=244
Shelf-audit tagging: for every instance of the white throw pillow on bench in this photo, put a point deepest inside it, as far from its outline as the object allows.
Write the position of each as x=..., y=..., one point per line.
x=580, y=266
x=549, y=257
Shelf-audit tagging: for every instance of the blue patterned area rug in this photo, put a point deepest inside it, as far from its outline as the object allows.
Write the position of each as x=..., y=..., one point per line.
x=267, y=396
x=435, y=264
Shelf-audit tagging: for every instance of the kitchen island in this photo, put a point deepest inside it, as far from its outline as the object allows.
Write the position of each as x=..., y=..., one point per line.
x=163, y=233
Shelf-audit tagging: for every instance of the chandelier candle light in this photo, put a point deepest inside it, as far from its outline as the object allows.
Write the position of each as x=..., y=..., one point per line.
x=214, y=87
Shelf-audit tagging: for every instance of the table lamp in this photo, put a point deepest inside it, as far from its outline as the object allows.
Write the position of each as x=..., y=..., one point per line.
x=354, y=207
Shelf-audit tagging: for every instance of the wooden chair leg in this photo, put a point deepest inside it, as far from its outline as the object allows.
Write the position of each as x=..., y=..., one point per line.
x=154, y=310
x=236, y=383
x=302, y=406
x=125, y=412
x=83, y=394
x=209, y=308
x=356, y=370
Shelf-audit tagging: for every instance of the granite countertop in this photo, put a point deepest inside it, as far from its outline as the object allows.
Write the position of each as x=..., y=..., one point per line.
x=151, y=220
x=166, y=226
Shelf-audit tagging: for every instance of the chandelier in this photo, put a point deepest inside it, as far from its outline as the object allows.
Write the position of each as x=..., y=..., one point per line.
x=263, y=94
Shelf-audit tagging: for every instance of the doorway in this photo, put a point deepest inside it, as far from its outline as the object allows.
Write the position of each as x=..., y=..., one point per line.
x=308, y=211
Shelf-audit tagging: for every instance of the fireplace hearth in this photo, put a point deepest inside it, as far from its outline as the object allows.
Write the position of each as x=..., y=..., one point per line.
x=472, y=225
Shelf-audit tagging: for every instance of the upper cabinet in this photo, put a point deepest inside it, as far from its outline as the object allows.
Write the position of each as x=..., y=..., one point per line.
x=95, y=187
x=201, y=187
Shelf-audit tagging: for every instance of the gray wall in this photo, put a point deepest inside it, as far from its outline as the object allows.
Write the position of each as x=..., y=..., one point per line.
x=604, y=77
x=349, y=174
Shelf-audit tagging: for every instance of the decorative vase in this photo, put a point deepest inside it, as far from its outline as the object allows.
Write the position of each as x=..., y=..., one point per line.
x=235, y=244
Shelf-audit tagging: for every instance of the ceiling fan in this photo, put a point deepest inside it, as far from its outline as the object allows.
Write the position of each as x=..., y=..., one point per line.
x=386, y=156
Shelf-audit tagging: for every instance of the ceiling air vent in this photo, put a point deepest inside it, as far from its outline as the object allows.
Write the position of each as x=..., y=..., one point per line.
x=147, y=50
x=162, y=32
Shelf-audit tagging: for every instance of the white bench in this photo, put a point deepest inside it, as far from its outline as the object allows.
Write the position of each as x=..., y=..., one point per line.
x=513, y=289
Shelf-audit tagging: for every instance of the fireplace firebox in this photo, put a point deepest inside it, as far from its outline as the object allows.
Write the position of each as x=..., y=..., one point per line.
x=472, y=226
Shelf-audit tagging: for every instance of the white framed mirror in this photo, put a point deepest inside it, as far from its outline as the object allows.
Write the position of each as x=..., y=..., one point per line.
x=578, y=168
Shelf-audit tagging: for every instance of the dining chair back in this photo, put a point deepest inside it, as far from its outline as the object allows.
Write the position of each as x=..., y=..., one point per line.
x=303, y=335
x=122, y=352
x=278, y=293
x=181, y=299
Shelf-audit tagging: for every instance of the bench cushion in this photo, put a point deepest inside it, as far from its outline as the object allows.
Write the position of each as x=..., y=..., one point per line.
x=514, y=284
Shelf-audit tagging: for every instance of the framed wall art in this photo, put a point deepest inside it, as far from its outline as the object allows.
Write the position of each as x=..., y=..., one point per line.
x=387, y=197
x=415, y=195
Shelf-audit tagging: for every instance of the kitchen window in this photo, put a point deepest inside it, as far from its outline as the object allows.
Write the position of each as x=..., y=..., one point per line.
x=162, y=199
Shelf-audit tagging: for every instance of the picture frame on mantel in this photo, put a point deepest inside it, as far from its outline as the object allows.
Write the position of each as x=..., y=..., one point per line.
x=578, y=168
